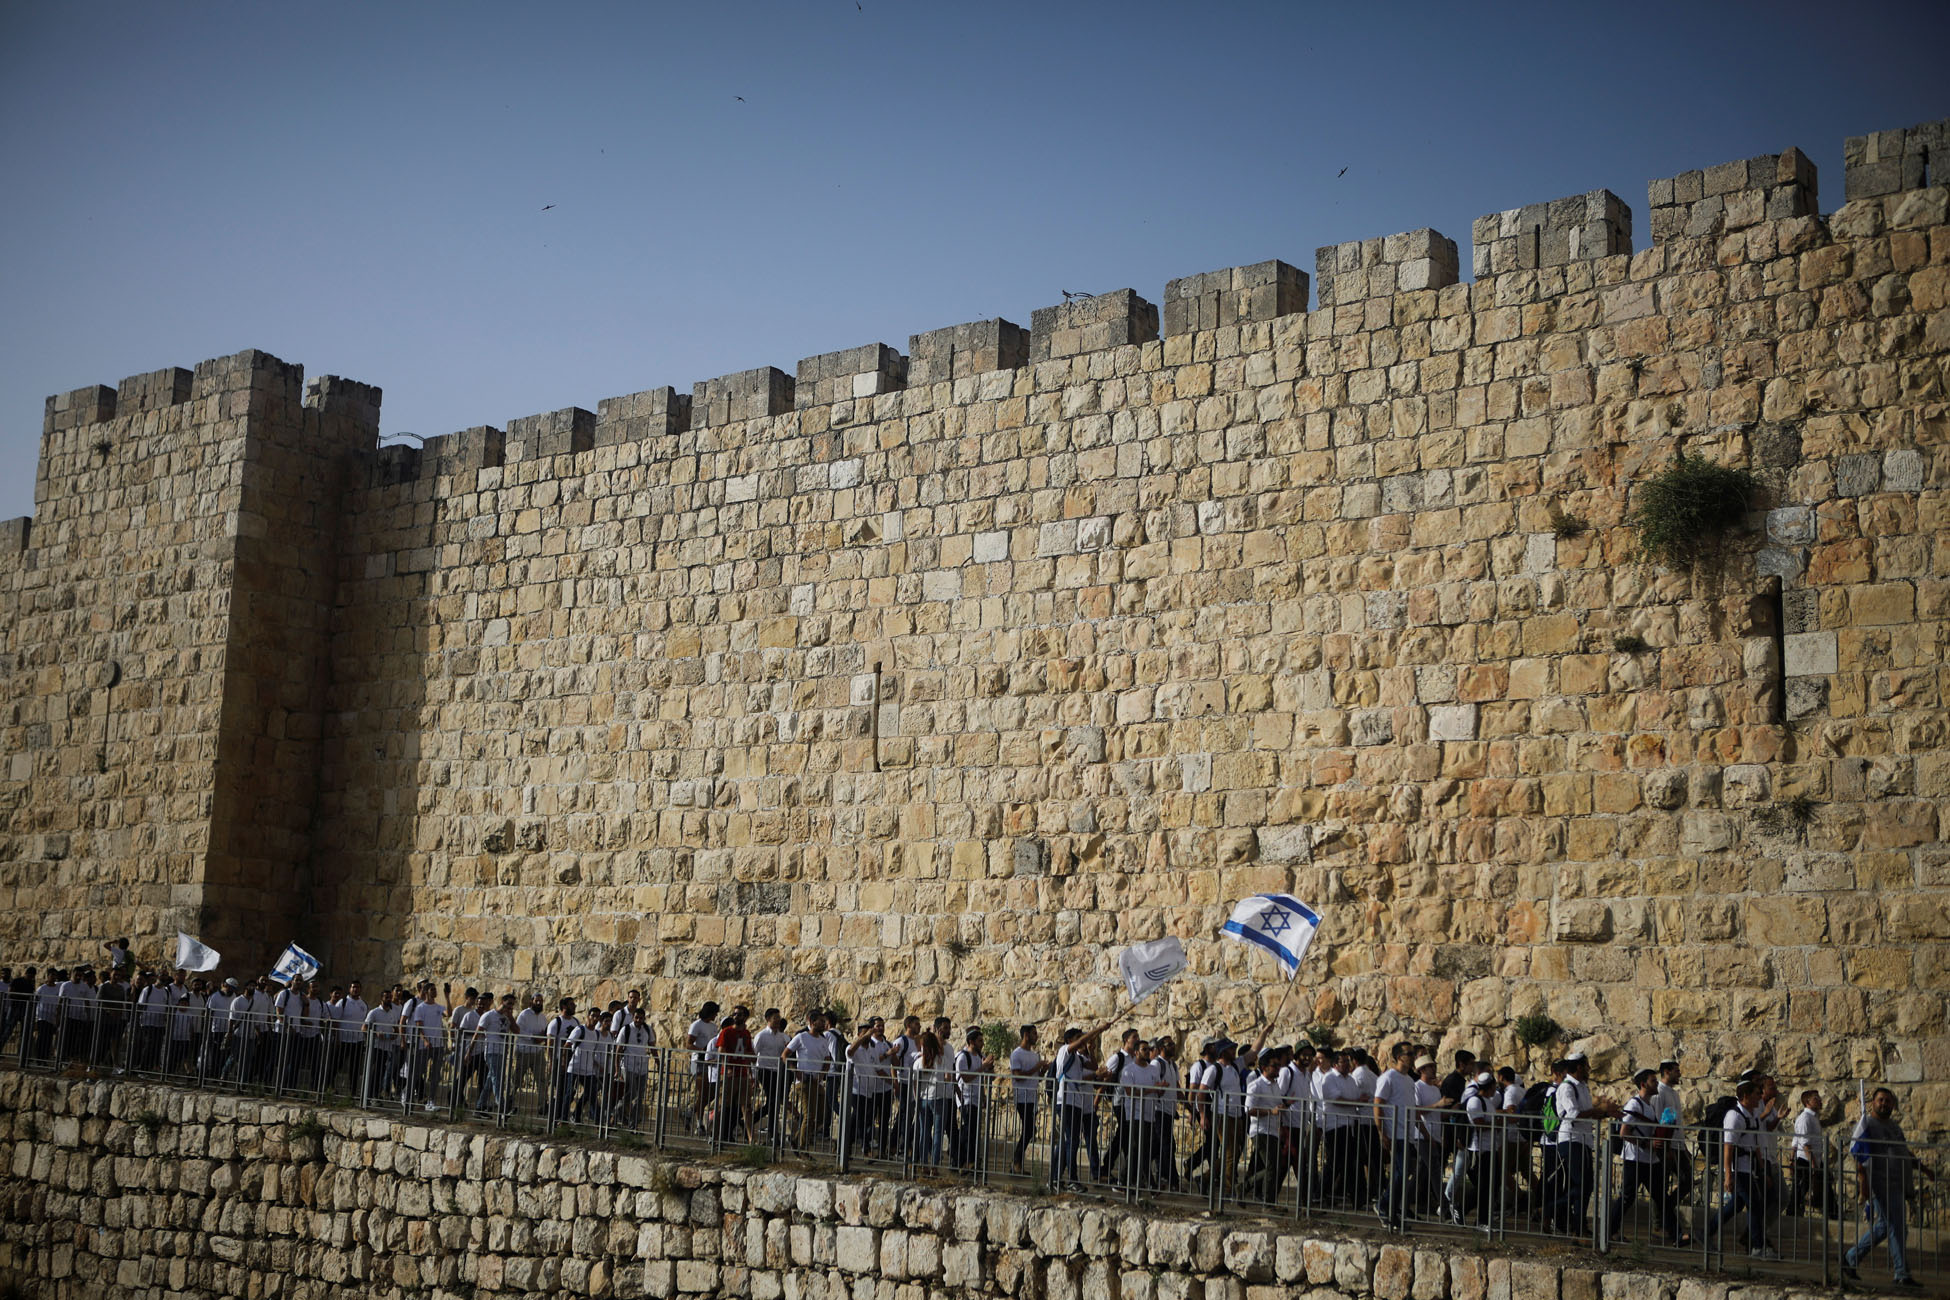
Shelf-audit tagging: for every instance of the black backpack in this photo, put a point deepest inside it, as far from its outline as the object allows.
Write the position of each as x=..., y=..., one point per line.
x=1711, y=1120
x=1533, y=1098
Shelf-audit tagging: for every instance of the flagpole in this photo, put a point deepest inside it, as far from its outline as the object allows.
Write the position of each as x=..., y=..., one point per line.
x=1293, y=977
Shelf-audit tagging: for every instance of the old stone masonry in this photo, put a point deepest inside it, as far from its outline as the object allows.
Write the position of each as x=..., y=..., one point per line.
x=932, y=679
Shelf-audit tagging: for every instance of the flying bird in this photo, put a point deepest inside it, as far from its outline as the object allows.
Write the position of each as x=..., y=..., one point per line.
x=547, y=206
x=1342, y=172
x=739, y=98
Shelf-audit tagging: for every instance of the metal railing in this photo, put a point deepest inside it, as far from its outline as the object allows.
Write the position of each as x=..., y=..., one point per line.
x=1782, y=1206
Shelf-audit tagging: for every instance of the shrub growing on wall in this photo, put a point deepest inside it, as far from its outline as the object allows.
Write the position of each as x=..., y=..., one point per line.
x=1684, y=510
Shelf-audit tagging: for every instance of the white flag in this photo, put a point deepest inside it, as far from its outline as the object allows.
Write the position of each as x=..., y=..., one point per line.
x=193, y=955
x=1146, y=966
x=1279, y=923
x=296, y=964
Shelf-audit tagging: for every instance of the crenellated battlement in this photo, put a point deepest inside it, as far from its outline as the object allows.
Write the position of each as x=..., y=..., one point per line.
x=1732, y=196
x=1580, y=228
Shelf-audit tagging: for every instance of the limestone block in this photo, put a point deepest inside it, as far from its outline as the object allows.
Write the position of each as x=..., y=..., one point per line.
x=1285, y=844
x=856, y=1249
x=1902, y=470
x=1453, y=722
x=1806, y=654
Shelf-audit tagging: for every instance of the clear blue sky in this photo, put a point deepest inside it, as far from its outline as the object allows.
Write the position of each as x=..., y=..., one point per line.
x=359, y=188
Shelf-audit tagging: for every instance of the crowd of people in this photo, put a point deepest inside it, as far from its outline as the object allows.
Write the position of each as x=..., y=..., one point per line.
x=1400, y=1139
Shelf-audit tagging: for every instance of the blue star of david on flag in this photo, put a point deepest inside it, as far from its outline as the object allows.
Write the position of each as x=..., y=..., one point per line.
x=1279, y=923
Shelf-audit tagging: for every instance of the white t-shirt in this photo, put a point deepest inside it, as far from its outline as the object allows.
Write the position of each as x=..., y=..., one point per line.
x=1668, y=1099
x=530, y=1026
x=1428, y=1096
x=1639, y=1127
x=1023, y=1089
x=432, y=1023
x=585, y=1051
x=1742, y=1130
x=1137, y=1091
x=972, y=1071
x=767, y=1045
x=1296, y=1085
x=810, y=1052
x=1481, y=1110
x=1574, y=1102
x=1263, y=1094
x=381, y=1019
x=702, y=1034
x=469, y=1021
x=634, y=1040
x=1395, y=1092
x=352, y=1014
x=1341, y=1099
x=1808, y=1144
x=1071, y=1087
x=866, y=1060
x=490, y=1033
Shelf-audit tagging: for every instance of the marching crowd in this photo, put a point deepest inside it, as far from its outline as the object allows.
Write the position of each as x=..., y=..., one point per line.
x=1398, y=1138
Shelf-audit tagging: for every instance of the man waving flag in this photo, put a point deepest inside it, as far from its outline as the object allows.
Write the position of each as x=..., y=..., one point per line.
x=1279, y=923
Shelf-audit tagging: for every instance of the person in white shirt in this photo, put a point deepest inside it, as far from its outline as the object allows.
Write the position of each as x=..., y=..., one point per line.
x=1577, y=1143
x=1026, y=1069
x=1743, y=1131
x=973, y=1073
x=1298, y=1131
x=251, y=1018
x=1394, y=1122
x=350, y=1022
x=1479, y=1103
x=1113, y=1070
x=47, y=1015
x=1642, y=1135
x=1075, y=1099
x=634, y=1041
x=807, y=1055
x=496, y=1030
x=1164, y=1131
x=1678, y=1161
x=1428, y=1134
x=76, y=997
x=932, y=1087
x=561, y=1029
x=381, y=1032
x=531, y=1028
x=903, y=1059
x=702, y=1033
x=1138, y=1083
x=583, y=1042
x=866, y=1058
x=1264, y=1106
x=465, y=1024
x=1341, y=1101
x=768, y=1051
x=423, y=1038
x=1813, y=1191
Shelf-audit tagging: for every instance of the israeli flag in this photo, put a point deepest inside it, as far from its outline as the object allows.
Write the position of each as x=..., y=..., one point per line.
x=1279, y=923
x=1147, y=966
x=296, y=964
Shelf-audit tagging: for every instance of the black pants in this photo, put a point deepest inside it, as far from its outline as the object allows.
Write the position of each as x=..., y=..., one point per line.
x=1026, y=1126
x=1812, y=1192
x=1265, y=1168
x=1651, y=1175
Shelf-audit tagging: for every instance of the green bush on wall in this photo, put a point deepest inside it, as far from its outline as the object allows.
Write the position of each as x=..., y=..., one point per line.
x=1684, y=509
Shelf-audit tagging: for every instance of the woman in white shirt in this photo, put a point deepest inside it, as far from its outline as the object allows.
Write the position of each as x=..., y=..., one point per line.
x=934, y=1087
x=633, y=1042
x=1026, y=1073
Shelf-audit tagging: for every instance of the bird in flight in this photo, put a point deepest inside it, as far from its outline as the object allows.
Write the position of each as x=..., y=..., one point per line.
x=547, y=206
x=1342, y=172
x=739, y=98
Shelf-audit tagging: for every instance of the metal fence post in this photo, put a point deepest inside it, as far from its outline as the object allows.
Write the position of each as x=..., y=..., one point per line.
x=1601, y=1227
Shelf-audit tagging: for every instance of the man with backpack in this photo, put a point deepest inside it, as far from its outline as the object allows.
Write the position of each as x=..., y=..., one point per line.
x=1884, y=1169
x=1743, y=1172
x=1577, y=1142
x=1643, y=1137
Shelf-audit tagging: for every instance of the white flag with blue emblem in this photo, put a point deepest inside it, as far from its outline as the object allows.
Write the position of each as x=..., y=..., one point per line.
x=296, y=964
x=1147, y=966
x=1279, y=923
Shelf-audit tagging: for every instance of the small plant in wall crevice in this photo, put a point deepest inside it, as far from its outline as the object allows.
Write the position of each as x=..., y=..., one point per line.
x=1684, y=510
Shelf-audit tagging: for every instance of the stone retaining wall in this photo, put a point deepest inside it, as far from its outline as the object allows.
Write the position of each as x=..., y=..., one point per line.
x=146, y=1193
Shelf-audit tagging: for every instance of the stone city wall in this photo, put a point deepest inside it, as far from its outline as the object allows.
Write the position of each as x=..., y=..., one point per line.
x=930, y=681
x=148, y=1193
